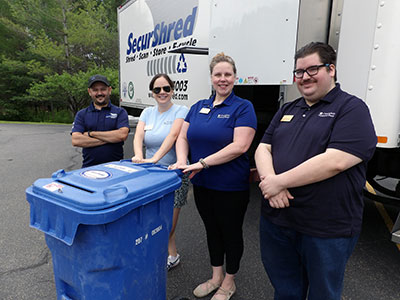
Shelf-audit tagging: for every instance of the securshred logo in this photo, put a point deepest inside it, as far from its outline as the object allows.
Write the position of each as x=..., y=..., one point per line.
x=163, y=32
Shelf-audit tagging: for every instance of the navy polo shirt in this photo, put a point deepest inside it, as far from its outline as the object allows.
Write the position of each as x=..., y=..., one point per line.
x=108, y=118
x=332, y=207
x=210, y=130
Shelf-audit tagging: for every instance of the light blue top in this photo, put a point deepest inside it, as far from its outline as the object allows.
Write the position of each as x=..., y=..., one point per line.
x=157, y=127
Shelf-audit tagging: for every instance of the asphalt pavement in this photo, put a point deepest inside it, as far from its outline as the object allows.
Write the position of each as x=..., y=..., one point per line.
x=29, y=152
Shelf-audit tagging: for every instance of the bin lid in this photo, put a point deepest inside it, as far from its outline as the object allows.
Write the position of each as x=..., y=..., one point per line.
x=106, y=185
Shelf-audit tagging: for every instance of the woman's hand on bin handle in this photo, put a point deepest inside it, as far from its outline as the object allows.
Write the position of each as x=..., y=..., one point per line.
x=193, y=168
x=177, y=165
x=149, y=160
x=137, y=160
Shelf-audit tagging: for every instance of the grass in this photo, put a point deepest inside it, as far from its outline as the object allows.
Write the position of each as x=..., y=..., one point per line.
x=33, y=123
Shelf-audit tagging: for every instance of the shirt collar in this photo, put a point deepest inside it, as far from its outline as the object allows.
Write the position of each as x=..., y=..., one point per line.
x=228, y=101
x=330, y=97
x=332, y=94
x=92, y=108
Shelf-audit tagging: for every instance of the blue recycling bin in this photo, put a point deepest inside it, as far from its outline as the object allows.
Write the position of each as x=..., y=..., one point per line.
x=107, y=228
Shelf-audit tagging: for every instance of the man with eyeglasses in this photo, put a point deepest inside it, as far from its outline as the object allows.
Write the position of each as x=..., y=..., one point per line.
x=312, y=163
x=101, y=128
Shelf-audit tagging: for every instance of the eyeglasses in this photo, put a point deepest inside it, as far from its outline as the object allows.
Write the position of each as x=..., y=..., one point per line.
x=166, y=89
x=311, y=71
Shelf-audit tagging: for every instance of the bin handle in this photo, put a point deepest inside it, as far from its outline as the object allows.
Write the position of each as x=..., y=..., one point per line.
x=161, y=168
x=138, y=164
x=115, y=193
x=149, y=165
x=58, y=174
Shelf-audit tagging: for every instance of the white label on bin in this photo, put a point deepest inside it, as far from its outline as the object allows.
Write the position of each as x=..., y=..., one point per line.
x=156, y=230
x=141, y=239
x=138, y=241
x=53, y=187
x=96, y=174
x=121, y=168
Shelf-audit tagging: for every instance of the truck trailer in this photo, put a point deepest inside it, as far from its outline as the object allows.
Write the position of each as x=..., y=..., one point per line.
x=179, y=37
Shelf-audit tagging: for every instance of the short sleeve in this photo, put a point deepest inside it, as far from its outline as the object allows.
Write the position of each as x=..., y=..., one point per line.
x=192, y=110
x=267, y=137
x=79, y=122
x=246, y=116
x=145, y=115
x=123, y=120
x=181, y=112
x=353, y=131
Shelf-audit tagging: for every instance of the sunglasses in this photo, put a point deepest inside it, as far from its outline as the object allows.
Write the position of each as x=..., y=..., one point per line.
x=166, y=89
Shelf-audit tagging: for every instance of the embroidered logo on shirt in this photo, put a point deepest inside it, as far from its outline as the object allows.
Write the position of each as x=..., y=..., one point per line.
x=226, y=116
x=326, y=114
x=112, y=116
x=168, y=122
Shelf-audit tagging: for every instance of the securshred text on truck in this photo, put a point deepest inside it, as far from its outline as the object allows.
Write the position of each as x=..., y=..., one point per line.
x=179, y=37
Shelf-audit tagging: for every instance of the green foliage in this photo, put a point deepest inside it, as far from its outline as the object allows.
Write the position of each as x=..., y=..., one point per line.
x=55, y=116
x=48, y=50
x=39, y=114
x=69, y=35
x=38, y=15
x=49, y=53
x=11, y=34
x=14, y=77
x=94, y=36
x=72, y=88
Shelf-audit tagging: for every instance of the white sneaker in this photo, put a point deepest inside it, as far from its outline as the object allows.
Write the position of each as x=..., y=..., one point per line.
x=173, y=261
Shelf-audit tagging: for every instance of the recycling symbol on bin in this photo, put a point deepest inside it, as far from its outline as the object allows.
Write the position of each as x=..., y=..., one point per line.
x=182, y=65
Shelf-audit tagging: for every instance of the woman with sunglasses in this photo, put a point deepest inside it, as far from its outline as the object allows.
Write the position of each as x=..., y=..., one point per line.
x=158, y=129
x=217, y=132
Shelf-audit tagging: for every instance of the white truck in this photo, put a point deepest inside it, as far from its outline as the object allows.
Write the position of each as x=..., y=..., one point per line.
x=179, y=37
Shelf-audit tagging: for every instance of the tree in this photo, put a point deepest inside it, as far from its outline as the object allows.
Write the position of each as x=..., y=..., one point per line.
x=12, y=35
x=69, y=35
x=59, y=43
x=14, y=79
x=71, y=87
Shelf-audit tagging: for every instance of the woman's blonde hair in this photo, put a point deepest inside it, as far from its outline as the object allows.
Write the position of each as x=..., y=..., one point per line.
x=221, y=57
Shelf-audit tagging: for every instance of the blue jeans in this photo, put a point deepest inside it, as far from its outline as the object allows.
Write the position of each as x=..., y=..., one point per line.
x=299, y=265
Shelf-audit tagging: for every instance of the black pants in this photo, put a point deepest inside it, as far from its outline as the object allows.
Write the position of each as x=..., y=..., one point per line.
x=223, y=213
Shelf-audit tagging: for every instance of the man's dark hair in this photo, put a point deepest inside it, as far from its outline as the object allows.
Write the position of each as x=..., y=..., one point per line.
x=325, y=52
x=165, y=76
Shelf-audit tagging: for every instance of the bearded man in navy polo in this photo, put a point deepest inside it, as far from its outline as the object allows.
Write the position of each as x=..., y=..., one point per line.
x=101, y=128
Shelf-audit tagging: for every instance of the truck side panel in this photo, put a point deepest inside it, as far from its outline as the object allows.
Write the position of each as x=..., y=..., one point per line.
x=369, y=60
x=170, y=39
x=260, y=36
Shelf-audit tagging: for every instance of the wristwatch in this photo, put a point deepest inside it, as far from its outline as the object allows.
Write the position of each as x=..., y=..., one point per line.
x=203, y=163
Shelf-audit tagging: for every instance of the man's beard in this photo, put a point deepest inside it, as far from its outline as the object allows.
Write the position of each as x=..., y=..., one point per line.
x=102, y=103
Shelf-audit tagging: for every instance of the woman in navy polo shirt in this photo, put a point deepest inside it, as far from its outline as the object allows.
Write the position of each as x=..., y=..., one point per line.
x=217, y=132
